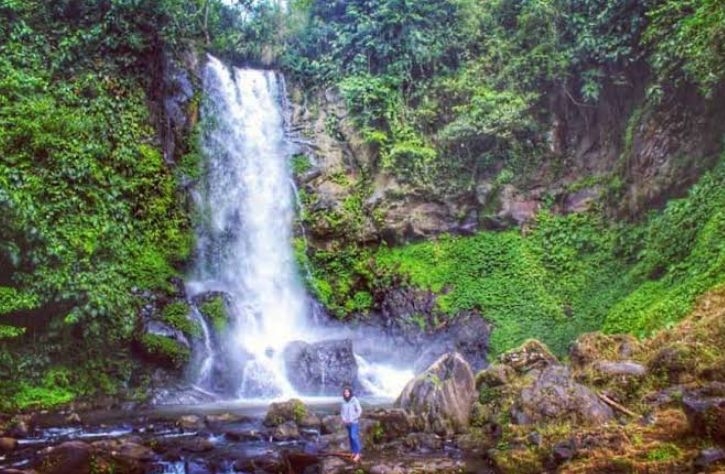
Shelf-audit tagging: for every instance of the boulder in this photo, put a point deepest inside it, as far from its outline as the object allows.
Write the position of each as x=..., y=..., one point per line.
x=135, y=452
x=532, y=354
x=71, y=456
x=441, y=397
x=8, y=444
x=332, y=424
x=223, y=419
x=243, y=435
x=322, y=368
x=198, y=444
x=385, y=425
x=281, y=412
x=708, y=457
x=310, y=421
x=554, y=395
x=706, y=416
x=286, y=431
x=190, y=422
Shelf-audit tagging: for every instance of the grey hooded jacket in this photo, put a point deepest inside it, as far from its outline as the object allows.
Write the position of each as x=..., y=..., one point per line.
x=351, y=411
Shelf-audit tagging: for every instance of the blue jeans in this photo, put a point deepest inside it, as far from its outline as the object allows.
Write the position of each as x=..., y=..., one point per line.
x=353, y=432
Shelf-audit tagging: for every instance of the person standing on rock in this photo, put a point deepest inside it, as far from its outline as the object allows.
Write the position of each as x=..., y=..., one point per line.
x=350, y=413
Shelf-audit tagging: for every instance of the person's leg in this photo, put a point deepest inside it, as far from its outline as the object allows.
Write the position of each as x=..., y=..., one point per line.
x=355, y=445
x=350, y=436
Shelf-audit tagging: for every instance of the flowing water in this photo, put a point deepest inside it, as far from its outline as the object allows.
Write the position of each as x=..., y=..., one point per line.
x=246, y=205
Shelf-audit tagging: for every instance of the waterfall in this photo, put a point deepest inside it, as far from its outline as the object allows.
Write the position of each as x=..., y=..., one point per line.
x=246, y=205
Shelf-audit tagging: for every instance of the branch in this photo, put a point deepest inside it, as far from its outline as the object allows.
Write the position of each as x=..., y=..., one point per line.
x=617, y=406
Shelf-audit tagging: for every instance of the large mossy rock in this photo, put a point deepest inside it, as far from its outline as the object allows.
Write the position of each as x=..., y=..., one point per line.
x=554, y=395
x=292, y=410
x=441, y=397
x=322, y=368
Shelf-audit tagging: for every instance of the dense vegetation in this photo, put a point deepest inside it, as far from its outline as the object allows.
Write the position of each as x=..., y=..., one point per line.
x=91, y=213
x=445, y=91
x=451, y=91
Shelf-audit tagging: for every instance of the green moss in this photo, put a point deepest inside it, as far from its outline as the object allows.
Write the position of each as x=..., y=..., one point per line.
x=664, y=452
x=215, y=310
x=299, y=411
x=177, y=315
x=165, y=350
x=300, y=164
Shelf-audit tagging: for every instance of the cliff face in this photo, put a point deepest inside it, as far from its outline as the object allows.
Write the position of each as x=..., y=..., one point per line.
x=626, y=154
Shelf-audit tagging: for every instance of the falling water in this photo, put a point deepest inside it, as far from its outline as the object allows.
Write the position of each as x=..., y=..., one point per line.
x=246, y=204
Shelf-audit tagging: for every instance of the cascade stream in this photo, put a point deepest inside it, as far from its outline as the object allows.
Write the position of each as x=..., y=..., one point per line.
x=246, y=203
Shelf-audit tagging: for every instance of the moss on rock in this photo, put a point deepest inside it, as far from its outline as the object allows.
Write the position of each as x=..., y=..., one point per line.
x=178, y=316
x=165, y=351
x=215, y=310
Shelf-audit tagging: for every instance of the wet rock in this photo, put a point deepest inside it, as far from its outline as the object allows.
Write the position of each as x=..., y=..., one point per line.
x=73, y=419
x=190, y=422
x=554, y=395
x=8, y=444
x=158, y=328
x=708, y=457
x=223, y=419
x=532, y=354
x=281, y=412
x=243, y=435
x=332, y=424
x=322, y=368
x=310, y=421
x=286, y=431
x=135, y=451
x=197, y=445
x=441, y=397
x=706, y=416
x=71, y=456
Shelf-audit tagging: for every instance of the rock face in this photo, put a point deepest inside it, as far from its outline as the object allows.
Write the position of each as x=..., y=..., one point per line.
x=321, y=368
x=441, y=397
x=555, y=395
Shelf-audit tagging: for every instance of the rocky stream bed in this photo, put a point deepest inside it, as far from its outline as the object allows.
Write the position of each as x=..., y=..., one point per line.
x=222, y=439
